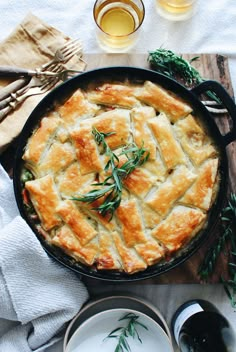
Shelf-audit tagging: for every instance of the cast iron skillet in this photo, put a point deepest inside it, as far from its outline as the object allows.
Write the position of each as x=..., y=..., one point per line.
x=62, y=92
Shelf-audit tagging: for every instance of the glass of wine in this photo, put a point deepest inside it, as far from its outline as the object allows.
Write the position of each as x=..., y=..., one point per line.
x=118, y=23
x=176, y=10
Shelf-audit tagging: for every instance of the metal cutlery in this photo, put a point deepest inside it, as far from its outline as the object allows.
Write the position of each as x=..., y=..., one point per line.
x=14, y=71
x=65, y=53
x=18, y=99
x=12, y=87
x=62, y=55
x=58, y=72
x=33, y=82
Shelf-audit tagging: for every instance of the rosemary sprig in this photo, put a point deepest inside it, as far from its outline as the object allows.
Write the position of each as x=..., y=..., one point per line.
x=227, y=237
x=122, y=333
x=174, y=66
x=111, y=187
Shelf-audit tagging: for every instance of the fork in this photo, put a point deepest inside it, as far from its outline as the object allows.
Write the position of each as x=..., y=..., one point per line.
x=65, y=53
x=57, y=70
x=34, y=82
x=60, y=74
x=62, y=55
x=45, y=87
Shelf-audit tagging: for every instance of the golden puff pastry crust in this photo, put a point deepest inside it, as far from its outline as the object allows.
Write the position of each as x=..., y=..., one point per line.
x=162, y=199
x=164, y=202
x=71, y=181
x=108, y=257
x=67, y=240
x=141, y=132
x=131, y=223
x=76, y=220
x=200, y=193
x=45, y=198
x=162, y=101
x=76, y=107
x=116, y=121
x=58, y=157
x=169, y=146
x=86, y=150
x=41, y=139
x=179, y=227
x=119, y=95
x=194, y=141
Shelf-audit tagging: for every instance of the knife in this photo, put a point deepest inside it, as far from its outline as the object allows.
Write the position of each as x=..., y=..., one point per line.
x=14, y=71
x=24, y=78
x=12, y=87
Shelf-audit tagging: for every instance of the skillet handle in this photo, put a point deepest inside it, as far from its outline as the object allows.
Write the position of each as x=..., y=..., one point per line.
x=227, y=101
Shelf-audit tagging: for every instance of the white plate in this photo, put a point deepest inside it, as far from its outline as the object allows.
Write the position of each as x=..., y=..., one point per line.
x=91, y=335
x=104, y=303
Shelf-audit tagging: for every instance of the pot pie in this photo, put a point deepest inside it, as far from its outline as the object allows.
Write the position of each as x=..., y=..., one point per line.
x=164, y=201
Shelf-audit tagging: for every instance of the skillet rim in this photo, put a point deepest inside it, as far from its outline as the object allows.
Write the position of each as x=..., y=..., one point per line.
x=66, y=89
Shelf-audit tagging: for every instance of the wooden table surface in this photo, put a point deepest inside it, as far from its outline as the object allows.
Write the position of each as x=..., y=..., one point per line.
x=211, y=67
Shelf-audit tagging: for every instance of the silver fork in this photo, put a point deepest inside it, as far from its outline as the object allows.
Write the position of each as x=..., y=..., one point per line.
x=62, y=73
x=62, y=55
x=45, y=87
x=65, y=53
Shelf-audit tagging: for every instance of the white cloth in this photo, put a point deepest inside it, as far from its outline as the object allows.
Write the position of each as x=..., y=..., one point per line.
x=38, y=296
x=211, y=30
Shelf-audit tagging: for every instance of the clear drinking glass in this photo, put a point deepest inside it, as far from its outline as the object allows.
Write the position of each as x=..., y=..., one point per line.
x=118, y=23
x=176, y=10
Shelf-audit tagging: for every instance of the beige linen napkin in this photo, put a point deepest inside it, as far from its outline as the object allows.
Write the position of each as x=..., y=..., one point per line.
x=30, y=45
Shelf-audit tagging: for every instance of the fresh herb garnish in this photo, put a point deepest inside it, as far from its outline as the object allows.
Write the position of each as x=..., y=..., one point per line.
x=122, y=333
x=174, y=66
x=111, y=187
x=225, y=243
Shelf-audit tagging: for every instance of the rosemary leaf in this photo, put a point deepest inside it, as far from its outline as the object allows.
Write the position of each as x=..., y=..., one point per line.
x=226, y=237
x=123, y=333
x=139, y=337
x=144, y=326
x=118, y=349
x=129, y=316
x=131, y=330
x=95, y=194
x=111, y=188
x=174, y=66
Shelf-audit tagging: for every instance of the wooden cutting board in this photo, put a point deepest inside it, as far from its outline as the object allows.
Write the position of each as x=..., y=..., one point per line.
x=211, y=67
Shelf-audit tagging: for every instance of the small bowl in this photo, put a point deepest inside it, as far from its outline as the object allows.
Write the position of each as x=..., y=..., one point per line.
x=93, y=333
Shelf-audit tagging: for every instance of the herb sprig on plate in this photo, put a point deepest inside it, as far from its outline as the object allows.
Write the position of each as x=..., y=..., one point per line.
x=111, y=187
x=122, y=333
x=225, y=243
x=176, y=67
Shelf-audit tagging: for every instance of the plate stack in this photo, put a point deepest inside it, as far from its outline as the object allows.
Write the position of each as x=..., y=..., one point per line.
x=90, y=328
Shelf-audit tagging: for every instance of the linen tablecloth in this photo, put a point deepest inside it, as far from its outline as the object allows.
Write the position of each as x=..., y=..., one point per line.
x=211, y=30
